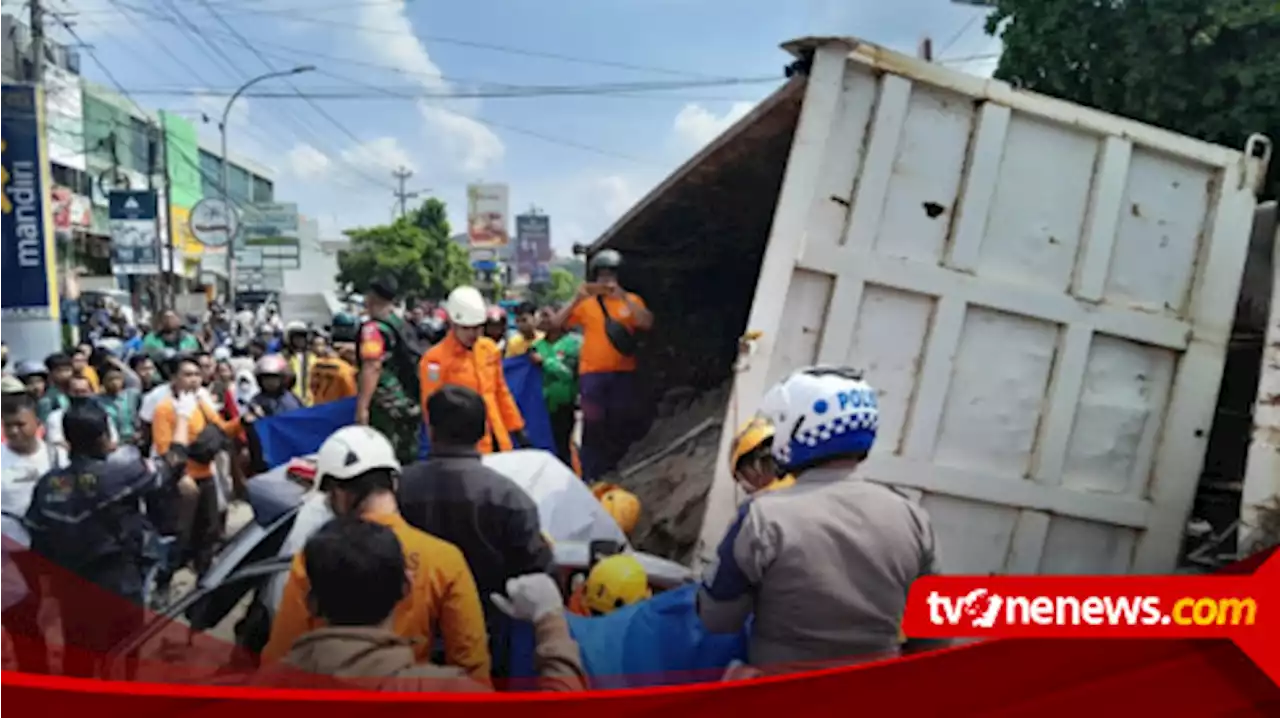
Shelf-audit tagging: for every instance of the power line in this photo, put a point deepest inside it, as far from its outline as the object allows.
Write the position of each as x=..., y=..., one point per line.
x=477, y=45
x=959, y=33
x=165, y=48
x=526, y=132
x=252, y=130
x=260, y=43
x=417, y=92
x=200, y=37
x=267, y=63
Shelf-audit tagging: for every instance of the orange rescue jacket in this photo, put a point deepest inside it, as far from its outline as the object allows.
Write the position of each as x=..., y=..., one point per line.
x=478, y=369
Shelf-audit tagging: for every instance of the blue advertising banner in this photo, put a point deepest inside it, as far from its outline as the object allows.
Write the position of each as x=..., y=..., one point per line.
x=135, y=247
x=29, y=284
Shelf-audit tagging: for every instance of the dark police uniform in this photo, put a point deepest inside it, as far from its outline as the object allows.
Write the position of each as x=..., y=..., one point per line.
x=88, y=524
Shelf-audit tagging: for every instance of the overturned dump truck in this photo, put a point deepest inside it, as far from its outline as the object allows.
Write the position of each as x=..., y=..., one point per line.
x=1042, y=294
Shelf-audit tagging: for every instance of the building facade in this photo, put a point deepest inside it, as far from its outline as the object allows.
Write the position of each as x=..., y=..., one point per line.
x=99, y=140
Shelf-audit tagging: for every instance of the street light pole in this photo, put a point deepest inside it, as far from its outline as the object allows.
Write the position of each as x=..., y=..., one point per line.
x=226, y=170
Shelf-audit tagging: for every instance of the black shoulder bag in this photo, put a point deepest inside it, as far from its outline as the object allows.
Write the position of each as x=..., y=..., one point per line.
x=208, y=442
x=622, y=339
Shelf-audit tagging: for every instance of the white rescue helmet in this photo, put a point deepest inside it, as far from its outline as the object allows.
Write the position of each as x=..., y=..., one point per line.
x=465, y=307
x=296, y=327
x=821, y=413
x=352, y=451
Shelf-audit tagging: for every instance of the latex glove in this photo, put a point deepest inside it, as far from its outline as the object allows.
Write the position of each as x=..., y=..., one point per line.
x=186, y=405
x=739, y=671
x=529, y=598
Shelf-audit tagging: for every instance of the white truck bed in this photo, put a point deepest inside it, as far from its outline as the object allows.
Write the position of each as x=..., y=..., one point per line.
x=1041, y=292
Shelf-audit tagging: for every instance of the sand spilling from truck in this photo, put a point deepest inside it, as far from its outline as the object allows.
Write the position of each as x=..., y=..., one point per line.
x=671, y=469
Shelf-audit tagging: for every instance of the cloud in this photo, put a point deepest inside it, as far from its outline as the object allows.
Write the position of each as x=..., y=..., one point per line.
x=617, y=194
x=306, y=162
x=378, y=156
x=584, y=205
x=470, y=146
x=695, y=125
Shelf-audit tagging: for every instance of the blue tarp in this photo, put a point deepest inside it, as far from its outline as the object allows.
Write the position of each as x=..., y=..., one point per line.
x=659, y=641
x=301, y=432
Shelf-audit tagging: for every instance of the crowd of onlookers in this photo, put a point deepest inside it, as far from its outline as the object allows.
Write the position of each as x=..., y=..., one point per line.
x=185, y=394
x=121, y=457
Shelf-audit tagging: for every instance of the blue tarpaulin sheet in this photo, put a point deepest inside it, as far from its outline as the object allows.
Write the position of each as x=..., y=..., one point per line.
x=656, y=642
x=298, y=433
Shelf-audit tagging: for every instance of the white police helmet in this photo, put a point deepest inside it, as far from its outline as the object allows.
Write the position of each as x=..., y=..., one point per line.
x=821, y=412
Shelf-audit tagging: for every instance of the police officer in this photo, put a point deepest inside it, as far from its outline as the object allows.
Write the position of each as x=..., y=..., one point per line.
x=87, y=520
x=388, y=392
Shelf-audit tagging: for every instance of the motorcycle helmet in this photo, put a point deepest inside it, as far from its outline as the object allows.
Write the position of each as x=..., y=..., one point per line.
x=821, y=413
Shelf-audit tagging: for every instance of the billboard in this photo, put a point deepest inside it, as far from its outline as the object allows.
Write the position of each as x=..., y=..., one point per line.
x=533, y=242
x=269, y=219
x=135, y=247
x=487, y=215
x=64, y=105
x=29, y=286
x=268, y=238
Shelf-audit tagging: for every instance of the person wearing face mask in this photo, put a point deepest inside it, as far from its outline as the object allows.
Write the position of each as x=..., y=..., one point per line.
x=24, y=458
x=357, y=469
x=388, y=385
x=469, y=359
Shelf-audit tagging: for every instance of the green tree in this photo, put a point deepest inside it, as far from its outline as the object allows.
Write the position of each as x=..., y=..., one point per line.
x=558, y=290
x=415, y=249
x=1205, y=68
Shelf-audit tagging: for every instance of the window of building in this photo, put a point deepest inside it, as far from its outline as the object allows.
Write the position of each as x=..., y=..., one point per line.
x=139, y=143
x=263, y=191
x=72, y=178
x=210, y=174
x=240, y=187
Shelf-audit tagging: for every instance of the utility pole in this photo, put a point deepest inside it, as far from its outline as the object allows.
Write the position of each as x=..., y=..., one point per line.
x=164, y=239
x=925, y=49
x=37, y=42
x=402, y=175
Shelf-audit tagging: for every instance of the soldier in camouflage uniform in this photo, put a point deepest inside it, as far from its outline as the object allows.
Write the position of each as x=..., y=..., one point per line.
x=388, y=386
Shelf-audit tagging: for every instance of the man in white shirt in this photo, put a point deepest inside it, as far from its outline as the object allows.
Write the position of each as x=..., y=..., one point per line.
x=78, y=389
x=24, y=458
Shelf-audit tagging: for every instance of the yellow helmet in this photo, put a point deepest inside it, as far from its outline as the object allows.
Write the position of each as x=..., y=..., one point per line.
x=748, y=439
x=623, y=506
x=616, y=581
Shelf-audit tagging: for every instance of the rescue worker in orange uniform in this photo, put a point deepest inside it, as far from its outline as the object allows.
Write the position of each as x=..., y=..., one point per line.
x=467, y=358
